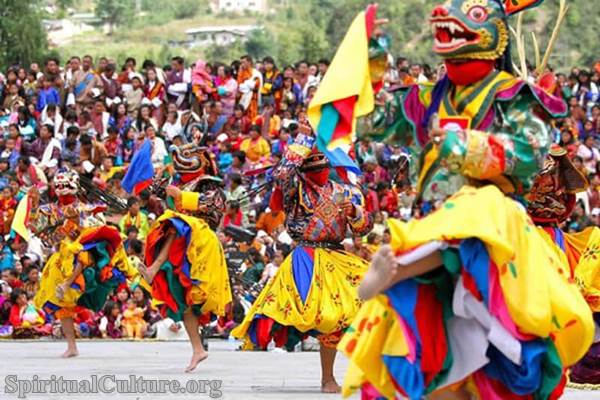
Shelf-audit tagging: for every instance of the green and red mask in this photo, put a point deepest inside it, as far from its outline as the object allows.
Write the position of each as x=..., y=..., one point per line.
x=474, y=29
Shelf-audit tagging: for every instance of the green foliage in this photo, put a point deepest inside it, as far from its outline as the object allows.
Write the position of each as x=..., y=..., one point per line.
x=186, y=8
x=22, y=37
x=259, y=44
x=313, y=29
x=115, y=12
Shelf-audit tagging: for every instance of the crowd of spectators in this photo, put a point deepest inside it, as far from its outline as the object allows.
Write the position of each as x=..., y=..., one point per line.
x=92, y=116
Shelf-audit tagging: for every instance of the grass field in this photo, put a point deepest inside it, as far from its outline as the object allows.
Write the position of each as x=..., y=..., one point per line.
x=145, y=40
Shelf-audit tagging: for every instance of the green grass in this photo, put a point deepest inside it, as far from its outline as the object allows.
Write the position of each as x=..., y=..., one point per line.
x=145, y=39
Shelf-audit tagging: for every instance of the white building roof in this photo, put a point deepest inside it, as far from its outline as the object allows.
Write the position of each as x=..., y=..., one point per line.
x=236, y=29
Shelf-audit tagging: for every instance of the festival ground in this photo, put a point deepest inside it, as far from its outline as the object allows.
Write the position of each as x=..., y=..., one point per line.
x=244, y=375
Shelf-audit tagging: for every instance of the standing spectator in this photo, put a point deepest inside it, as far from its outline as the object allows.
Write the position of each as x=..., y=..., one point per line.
x=134, y=97
x=272, y=84
x=588, y=151
x=155, y=95
x=249, y=83
x=85, y=85
x=227, y=89
x=178, y=80
x=256, y=147
x=112, y=87
x=48, y=94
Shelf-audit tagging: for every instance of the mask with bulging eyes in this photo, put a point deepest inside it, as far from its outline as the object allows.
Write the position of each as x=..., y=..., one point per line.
x=211, y=203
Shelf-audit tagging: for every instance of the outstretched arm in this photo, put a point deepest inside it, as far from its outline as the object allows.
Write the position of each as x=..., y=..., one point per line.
x=385, y=271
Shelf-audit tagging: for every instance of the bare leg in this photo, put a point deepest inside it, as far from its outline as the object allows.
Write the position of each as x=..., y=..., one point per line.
x=191, y=326
x=328, y=382
x=68, y=327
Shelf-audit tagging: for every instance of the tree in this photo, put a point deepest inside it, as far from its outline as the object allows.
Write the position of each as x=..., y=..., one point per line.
x=115, y=12
x=186, y=8
x=22, y=37
x=259, y=44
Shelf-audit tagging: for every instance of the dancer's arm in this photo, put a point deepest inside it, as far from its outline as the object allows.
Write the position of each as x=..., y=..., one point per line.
x=76, y=271
x=163, y=255
x=187, y=201
x=62, y=288
x=385, y=271
x=514, y=149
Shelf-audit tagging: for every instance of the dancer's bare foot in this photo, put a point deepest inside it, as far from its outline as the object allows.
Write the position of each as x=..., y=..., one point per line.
x=331, y=386
x=197, y=358
x=69, y=353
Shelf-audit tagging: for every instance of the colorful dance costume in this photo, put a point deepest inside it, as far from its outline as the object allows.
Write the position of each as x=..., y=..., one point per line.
x=550, y=203
x=195, y=274
x=315, y=289
x=501, y=317
x=98, y=249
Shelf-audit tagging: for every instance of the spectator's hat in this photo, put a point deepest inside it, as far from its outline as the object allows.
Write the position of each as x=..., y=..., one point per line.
x=596, y=212
x=138, y=77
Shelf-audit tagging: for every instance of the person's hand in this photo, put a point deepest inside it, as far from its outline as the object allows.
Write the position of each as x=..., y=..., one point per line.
x=305, y=129
x=437, y=136
x=348, y=209
x=174, y=192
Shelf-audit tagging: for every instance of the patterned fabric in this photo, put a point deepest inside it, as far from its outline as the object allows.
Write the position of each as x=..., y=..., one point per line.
x=537, y=304
x=105, y=262
x=313, y=293
x=195, y=274
x=312, y=211
x=507, y=145
x=552, y=197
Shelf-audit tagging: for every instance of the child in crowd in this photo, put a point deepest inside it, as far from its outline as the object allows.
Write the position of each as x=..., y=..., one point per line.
x=133, y=322
x=110, y=321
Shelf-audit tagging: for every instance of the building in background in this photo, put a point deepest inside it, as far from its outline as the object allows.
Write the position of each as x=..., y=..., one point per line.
x=239, y=6
x=218, y=35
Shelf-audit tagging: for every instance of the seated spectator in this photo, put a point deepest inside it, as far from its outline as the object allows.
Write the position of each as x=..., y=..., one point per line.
x=590, y=154
x=134, y=218
x=48, y=94
x=256, y=147
x=133, y=322
x=32, y=284
x=272, y=268
x=110, y=321
x=270, y=220
x=27, y=321
x=233, y=215
x=172, y=127
x=91, y=150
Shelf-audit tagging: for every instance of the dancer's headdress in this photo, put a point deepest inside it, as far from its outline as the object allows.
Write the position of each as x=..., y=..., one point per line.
x=552, y=198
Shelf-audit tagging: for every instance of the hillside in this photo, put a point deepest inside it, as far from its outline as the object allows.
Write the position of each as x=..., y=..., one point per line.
x=312, y=29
